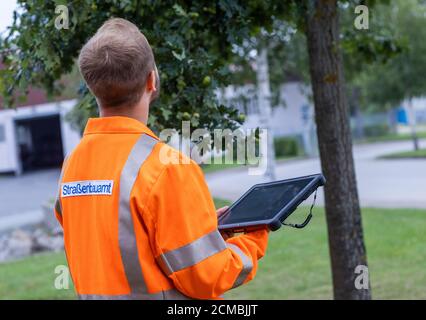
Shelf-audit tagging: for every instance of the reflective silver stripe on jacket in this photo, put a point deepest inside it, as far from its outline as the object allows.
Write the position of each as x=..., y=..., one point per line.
x=171, y=294
x=247, y=265
x=58, y=205
x=126, y=233
x=192, y=253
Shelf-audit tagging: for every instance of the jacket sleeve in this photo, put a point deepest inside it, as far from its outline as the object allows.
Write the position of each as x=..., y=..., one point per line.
x=188, y=245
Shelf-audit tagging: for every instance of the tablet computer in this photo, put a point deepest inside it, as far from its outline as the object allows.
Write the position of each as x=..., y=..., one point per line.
x=268, y=204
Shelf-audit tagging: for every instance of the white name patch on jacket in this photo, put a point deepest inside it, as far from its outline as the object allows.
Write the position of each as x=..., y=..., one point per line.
x=87, y=188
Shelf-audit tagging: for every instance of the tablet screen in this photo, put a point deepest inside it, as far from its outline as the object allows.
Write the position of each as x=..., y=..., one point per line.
x=264, y=202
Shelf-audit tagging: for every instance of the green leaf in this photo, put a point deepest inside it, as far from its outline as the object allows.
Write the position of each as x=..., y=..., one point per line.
x=180, y=56
x=179, y=10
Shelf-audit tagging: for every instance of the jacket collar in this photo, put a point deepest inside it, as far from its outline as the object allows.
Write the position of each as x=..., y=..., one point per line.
x=116, y=125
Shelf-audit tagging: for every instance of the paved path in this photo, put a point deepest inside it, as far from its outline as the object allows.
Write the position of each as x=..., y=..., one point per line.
x=381, y=183
x=22, y=197
x=28, y=191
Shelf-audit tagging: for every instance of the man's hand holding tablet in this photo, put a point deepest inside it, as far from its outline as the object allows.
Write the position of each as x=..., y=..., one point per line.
x=267, y=205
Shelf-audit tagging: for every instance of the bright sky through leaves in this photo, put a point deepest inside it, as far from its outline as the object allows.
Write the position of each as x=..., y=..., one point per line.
x=6, y=14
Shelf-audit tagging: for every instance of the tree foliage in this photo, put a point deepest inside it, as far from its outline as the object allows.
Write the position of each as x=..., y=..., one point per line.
x=192, y=41
x=286, y=42
x=402, y=76
x=287, y=57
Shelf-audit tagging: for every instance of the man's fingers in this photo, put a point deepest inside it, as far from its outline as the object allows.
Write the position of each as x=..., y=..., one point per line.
x=221, y=211
x=226, y=234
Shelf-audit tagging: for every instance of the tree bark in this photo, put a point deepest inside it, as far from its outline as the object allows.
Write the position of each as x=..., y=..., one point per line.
x=265, y=111
x=346, y=244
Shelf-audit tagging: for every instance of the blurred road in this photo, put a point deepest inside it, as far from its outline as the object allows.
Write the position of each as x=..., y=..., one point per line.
x=21, y=198
x=28, y=191
x=381, y=183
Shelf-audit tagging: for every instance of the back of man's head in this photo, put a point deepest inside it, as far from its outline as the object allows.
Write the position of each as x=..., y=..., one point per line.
x=116, y=63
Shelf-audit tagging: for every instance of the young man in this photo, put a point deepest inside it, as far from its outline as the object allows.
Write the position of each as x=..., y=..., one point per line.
x=134, y=226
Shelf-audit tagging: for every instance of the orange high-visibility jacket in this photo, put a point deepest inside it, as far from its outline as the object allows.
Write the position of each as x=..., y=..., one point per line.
x=139, y=221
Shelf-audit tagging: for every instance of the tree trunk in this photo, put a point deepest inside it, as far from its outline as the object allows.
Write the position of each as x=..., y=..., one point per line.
x=265, y=111
x=347, y=250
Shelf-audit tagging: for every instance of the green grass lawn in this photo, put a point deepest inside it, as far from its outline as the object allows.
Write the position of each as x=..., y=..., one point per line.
x=296, y=265
x=392, y=137
x=419, y=154
x=33, y=278
x=214, y=167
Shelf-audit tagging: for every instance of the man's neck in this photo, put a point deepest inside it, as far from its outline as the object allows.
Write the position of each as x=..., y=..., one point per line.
x=138, y=112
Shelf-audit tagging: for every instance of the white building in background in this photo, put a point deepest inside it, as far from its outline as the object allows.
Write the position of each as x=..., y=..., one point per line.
x=35, y=136
x=294, y=116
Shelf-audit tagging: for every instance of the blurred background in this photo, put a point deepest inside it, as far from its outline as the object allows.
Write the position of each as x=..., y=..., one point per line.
x=255, y=67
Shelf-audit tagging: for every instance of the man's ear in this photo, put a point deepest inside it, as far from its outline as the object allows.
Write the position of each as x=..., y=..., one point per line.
x=151, y=84
x=156, y=87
